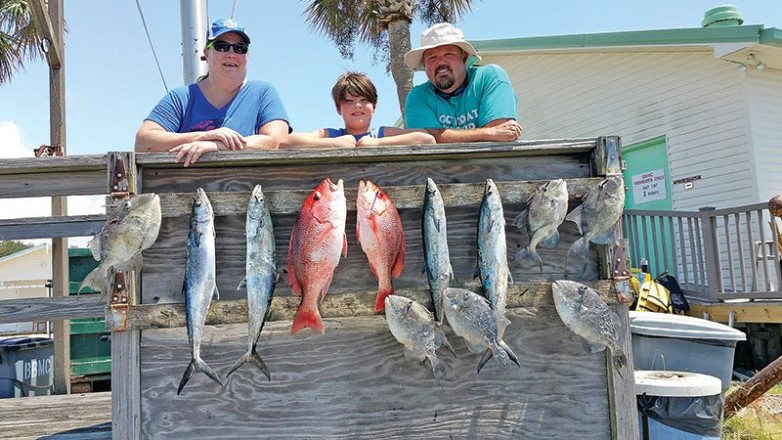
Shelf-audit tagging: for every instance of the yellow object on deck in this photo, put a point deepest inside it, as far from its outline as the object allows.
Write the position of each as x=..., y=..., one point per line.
x=652, y=296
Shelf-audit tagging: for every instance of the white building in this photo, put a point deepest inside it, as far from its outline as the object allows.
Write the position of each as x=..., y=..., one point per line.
x=24, y=275
x=701, y=106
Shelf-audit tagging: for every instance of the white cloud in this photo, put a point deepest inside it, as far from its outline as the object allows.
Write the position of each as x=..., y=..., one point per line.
x=13, y=146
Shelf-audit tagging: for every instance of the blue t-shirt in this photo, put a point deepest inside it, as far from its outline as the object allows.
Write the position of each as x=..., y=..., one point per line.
x=185, y=109
x=337, y=132
x=487, y=96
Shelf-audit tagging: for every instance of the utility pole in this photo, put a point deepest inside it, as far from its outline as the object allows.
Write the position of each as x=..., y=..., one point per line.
x=49, y=24
x=193, y=13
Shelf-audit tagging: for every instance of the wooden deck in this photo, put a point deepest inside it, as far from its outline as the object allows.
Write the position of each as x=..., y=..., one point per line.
x=64, y=417
x=757, y=312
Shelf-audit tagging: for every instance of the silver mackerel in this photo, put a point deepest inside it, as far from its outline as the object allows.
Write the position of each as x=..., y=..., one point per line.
x=586, y=314
x=438, y=262
x=492, y=253
x=414, y=327
x=545, y=211
x=260, y=277
x=199, y=286
x=470, y=317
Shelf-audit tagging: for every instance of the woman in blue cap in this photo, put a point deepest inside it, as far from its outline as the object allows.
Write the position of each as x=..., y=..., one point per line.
x=220, y=111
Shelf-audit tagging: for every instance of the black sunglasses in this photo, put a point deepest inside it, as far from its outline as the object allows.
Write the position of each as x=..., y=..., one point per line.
x=224, y=46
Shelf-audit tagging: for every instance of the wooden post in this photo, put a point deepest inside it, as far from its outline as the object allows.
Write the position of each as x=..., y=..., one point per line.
x=711, y=252
x=49, y=24
x=754, y=388
x=125, y=345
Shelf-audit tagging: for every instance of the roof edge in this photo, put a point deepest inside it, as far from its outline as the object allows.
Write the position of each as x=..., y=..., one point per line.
x=648, y=38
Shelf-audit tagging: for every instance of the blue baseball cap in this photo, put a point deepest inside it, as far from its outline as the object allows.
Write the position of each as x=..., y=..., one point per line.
x=223, y=26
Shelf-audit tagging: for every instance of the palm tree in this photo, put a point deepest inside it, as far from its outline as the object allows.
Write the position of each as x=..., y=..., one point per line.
x=19, y=40
x=383, y=24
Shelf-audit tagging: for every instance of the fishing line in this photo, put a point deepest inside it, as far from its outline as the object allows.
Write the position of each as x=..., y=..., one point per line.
x=149, y=39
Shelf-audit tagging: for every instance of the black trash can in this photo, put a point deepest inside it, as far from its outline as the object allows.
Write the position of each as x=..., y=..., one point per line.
x=26, y=367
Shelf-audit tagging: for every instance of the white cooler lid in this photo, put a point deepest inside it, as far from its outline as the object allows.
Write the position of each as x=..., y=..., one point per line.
x=676, y=384
x=684, y=327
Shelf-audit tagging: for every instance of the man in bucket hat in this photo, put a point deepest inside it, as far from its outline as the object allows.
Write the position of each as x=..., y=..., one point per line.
x=461, y=102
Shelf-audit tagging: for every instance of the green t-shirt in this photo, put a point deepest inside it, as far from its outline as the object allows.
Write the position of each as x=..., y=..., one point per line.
x=488, y=96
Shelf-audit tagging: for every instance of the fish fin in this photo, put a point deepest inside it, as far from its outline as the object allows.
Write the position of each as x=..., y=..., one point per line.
x=485, y=358
x=500, y=355
x=94, y=245
x=380, y=299
x=608, y=237
x=510, y=353
x=344, y=244
x=243, y=283
x=326, y=286
x=258, y=361
x=551, y=241
x=436, y=224
x=439, y=369
x=215, y=294
x=575, y=217
x=578, y=251
x=521, y=219
x=399, y=264
x=451, y=276
x=253, y=357
x=307, y=317
x=191, y=367
x=97, y=280
x=510, y=277
x=442, y=341
x=293, y=280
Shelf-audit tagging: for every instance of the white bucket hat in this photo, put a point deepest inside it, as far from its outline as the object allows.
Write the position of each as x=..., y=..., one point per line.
x=441, y=34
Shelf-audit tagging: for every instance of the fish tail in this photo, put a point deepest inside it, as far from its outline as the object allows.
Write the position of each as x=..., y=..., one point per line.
x=510, y=353
x=527, y=256
x=203, y=366
x=382, y=293
x=579, y=249
x=307, y=317
x=191, y=367
x=198, y=365
x=241, y=361
x=258, y=361
x=439, y=369
x=485, y=358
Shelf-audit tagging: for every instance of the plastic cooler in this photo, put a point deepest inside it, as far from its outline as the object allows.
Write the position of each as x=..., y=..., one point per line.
x=26, y=366
x=663, y=341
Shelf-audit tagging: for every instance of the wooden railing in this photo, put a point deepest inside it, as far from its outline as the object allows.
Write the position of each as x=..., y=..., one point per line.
x=715, y=254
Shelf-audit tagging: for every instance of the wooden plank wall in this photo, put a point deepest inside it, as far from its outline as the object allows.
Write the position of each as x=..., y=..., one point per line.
x=354, y=380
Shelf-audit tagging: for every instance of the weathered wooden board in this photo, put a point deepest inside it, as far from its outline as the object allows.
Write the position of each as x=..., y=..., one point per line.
x=59, y=417
x=50, y=227
x=51, y=309
x=53, y=165
x=354, y=381
x=165, y=261
x=79, y=183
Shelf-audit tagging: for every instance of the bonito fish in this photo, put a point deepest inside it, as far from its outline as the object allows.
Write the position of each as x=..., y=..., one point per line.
x=261, y=273
x=438, y=262
x=492, y=256
x=317, y=238
x=381, y=235
x=470, y=317
x=587, y=315
x=545, y=211
x=414, y=326
x=126, y=233
x=199, y=286
x=597, y=215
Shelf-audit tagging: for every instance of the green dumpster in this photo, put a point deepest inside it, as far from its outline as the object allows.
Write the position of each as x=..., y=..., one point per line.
x=90, y=353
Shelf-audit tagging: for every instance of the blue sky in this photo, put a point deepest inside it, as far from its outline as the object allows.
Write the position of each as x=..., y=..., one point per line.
x=112, y=81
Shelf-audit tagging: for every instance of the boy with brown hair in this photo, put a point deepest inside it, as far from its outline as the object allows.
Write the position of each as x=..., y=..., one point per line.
x=355, y=98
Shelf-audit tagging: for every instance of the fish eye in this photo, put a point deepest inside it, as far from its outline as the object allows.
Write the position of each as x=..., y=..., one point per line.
x=316, y=196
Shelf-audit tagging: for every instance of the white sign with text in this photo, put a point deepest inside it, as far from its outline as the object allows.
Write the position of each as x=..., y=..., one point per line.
x=649, y=186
